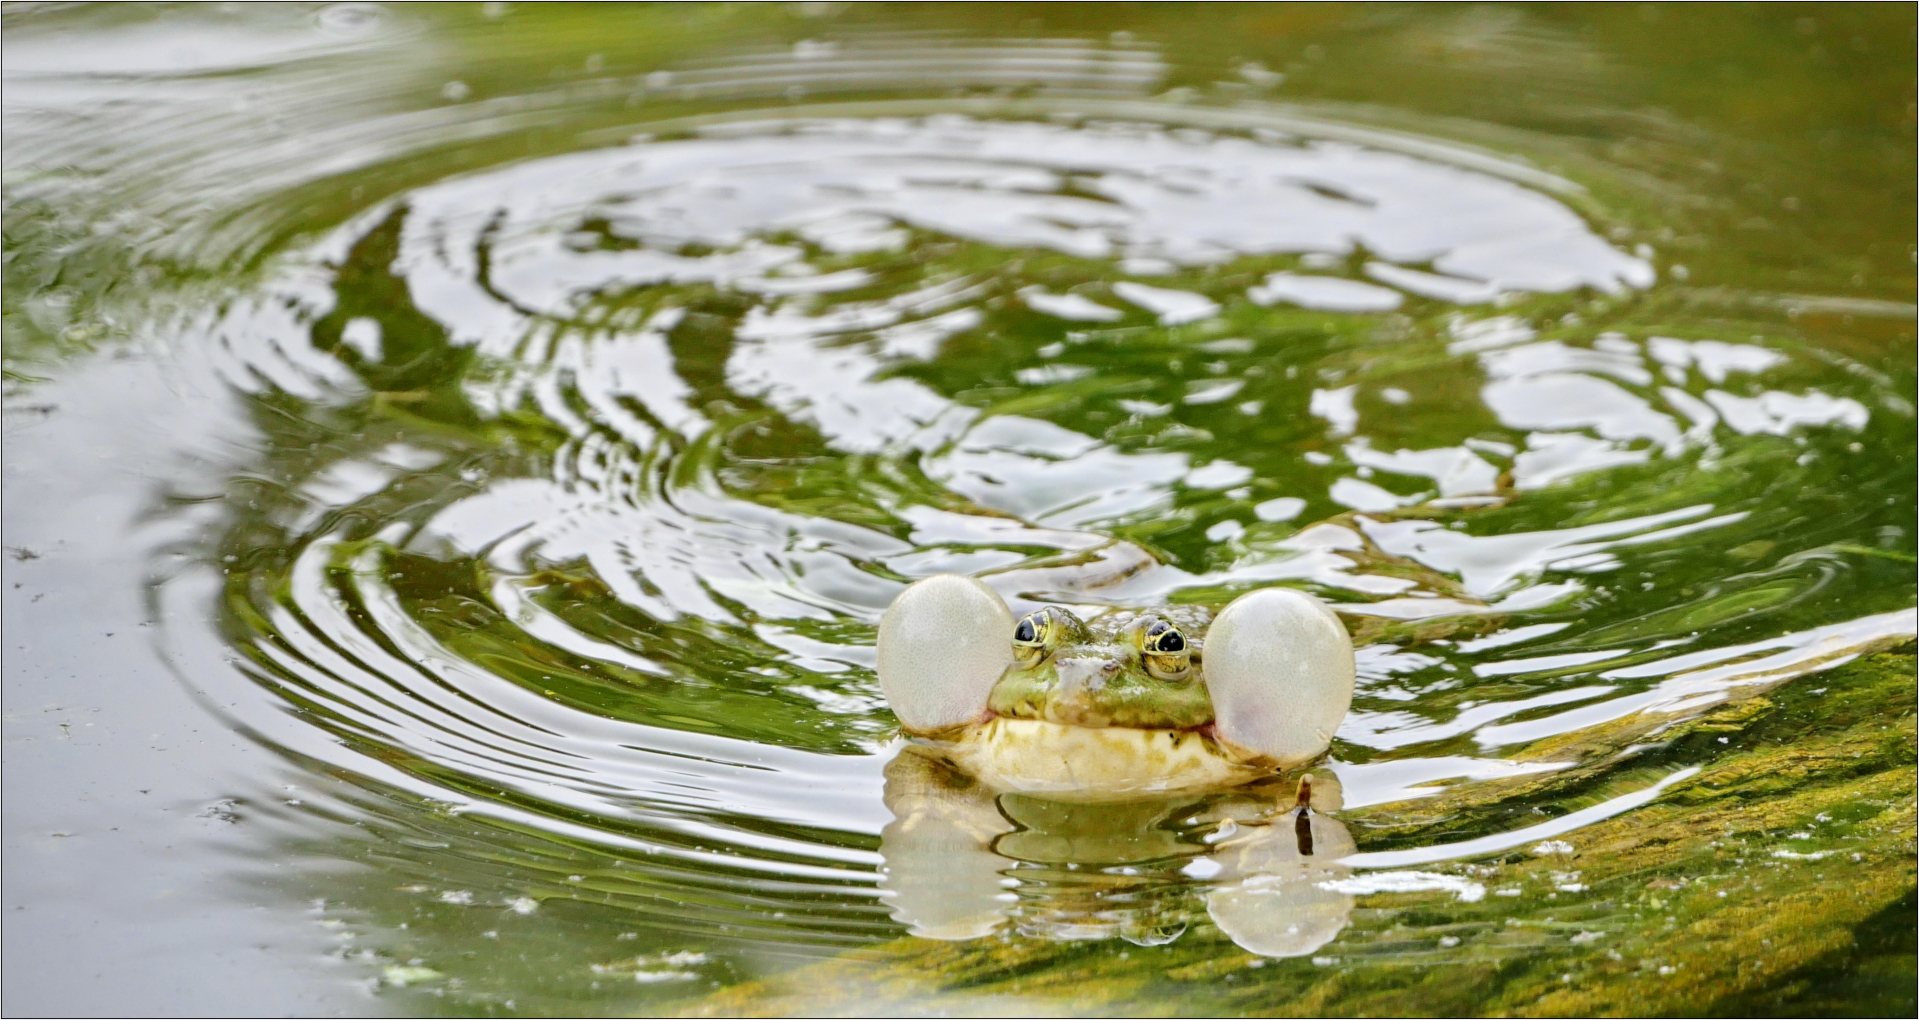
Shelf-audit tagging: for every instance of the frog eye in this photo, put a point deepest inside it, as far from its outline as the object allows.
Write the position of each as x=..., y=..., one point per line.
x=942, y=647
x=1164, y=637
x=1038, y=633
x=1164, y=652
x=1279, y=668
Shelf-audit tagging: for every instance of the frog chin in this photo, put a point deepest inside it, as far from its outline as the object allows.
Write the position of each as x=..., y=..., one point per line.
x=1060, y=761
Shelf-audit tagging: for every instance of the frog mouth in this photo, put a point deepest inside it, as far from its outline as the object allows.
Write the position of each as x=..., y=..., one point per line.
x=1279, y=668
x=1062, y=761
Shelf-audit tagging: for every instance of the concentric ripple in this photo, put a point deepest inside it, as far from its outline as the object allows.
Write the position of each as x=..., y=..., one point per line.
x=588, y=477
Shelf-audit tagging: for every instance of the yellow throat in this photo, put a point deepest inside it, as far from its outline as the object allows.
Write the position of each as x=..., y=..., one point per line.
x=1093, y=763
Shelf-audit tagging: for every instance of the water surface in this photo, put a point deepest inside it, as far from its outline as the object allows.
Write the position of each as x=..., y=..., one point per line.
x=531, y=431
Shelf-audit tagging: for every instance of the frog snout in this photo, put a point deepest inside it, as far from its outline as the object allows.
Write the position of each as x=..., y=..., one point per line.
x=1080, y=679
x=1076, y=674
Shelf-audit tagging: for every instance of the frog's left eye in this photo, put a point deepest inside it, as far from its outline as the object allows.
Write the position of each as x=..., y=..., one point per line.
x=1164, y=651
x=1164, y=637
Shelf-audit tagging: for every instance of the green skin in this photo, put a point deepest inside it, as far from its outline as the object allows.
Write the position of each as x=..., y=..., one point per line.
x=1102, y=673
x=1097, y=673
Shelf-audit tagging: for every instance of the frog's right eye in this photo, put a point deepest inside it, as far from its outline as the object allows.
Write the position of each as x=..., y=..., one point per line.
x=1034, y=636
x=1042, y=631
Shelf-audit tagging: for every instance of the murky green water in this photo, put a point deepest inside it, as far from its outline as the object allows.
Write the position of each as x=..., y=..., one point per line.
x=535, y=409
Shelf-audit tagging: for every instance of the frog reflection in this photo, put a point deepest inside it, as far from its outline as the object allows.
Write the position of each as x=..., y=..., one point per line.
x=961, y=862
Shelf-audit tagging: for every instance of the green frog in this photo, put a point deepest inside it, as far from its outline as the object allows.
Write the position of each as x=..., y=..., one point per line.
x=1099, y=702
x=1129, y=703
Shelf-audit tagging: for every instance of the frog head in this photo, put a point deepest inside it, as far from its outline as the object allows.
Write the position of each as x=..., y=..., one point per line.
x=1269, y=677
x=1143, y=669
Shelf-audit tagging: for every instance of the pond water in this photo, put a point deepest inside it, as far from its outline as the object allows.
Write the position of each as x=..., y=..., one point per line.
x=494, y=434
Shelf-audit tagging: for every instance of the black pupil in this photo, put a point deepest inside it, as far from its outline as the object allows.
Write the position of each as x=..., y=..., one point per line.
x=1025, y=631
x=1171, y=641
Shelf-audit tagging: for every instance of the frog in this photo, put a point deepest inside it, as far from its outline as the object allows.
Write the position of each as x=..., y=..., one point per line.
x=1089, y=699
x=1130, y=703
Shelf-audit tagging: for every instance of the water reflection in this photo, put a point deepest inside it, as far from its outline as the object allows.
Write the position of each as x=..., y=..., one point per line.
x=961, y=862
x=576, y=481
x=646, y=437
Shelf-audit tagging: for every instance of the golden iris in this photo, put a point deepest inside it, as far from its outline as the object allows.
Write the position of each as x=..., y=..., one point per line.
x=1042, y=631
x=1165, y=652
